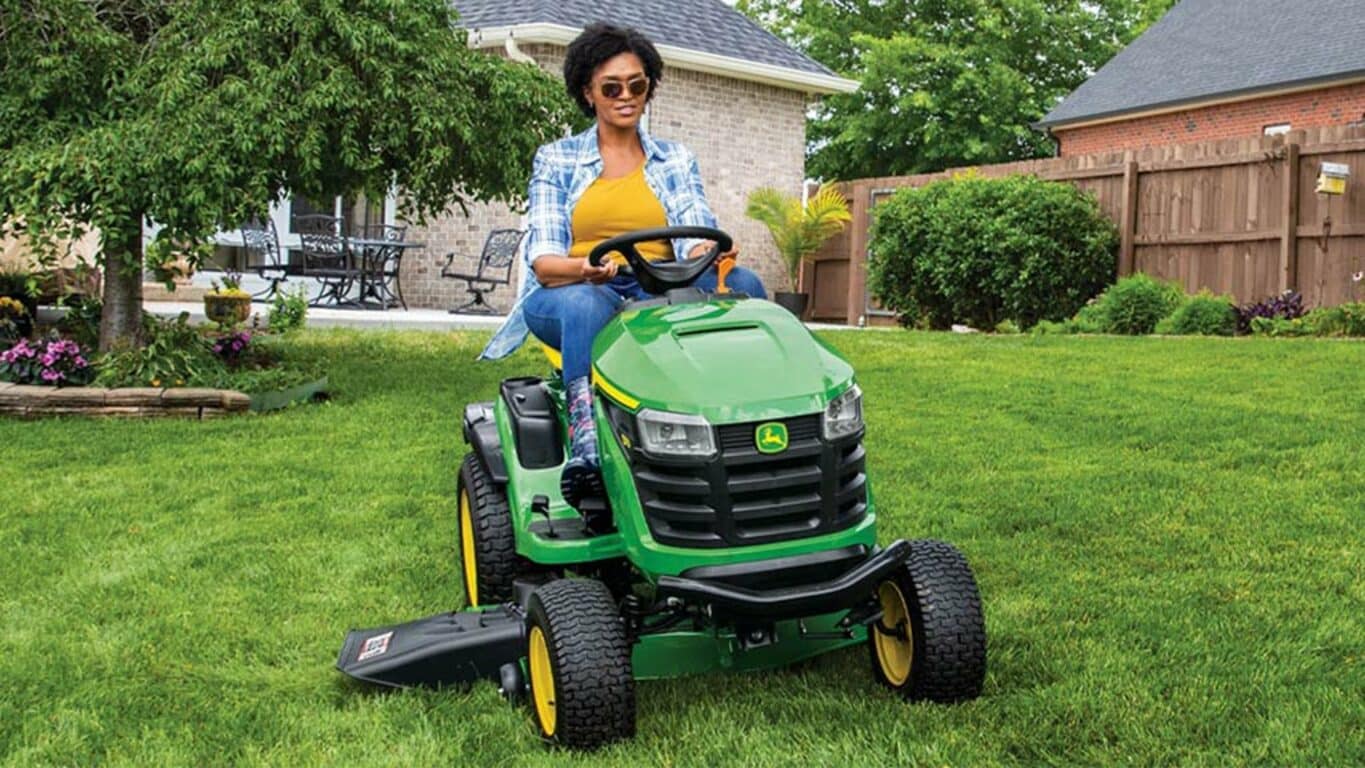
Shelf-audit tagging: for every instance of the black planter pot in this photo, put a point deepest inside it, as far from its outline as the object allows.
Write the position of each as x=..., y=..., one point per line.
x=794, y=303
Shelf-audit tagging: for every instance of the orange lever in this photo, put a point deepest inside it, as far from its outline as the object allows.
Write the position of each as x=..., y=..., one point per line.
x=722, y=270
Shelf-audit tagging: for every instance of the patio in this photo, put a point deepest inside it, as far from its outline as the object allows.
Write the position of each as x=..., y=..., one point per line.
x=393, y=319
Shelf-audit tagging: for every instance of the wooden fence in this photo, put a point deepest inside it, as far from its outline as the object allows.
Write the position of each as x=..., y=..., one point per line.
x=1239, y=217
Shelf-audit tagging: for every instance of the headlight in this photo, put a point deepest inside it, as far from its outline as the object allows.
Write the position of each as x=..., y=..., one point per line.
x=675, y=434
x=844, y=414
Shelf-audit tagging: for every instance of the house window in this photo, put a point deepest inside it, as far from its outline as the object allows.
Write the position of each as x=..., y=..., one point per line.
x=1278, y=129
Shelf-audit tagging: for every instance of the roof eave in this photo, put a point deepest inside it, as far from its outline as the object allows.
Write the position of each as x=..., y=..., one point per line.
x=1211, y=100
x=683, y=58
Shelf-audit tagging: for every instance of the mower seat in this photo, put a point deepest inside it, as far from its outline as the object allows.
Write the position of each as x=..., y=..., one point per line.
x=552, y=355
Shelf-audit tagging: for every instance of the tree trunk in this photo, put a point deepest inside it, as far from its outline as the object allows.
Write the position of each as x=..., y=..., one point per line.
x=121, y=317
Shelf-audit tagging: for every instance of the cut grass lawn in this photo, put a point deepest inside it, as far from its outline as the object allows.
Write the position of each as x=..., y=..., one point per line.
x=1167, y=534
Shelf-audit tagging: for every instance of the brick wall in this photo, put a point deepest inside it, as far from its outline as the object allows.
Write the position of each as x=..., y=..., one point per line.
x=745, y=135
x=1339, y=105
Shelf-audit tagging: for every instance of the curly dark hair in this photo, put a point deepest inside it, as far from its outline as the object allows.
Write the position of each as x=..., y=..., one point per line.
x=600, y=42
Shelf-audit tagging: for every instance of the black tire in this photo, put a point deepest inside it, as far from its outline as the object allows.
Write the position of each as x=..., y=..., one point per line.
x=946, y=632
x=592, y=691
x=492, y=542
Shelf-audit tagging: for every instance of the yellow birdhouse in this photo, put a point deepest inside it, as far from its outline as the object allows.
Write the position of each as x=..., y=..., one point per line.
x=1332, y=178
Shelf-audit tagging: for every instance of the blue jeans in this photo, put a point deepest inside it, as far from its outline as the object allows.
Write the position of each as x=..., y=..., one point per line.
x=569, y=317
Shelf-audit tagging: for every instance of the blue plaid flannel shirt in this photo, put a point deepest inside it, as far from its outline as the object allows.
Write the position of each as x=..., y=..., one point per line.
x=561, y=173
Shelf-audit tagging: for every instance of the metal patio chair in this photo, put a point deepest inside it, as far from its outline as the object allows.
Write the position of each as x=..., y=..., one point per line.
x=494, y=269
x=325, y=257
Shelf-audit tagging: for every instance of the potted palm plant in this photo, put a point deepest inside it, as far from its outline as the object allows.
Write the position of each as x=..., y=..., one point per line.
x=798, y=230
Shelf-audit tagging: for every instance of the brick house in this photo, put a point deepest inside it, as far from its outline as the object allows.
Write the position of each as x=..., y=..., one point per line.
x=731, y=92
x=1220, y=69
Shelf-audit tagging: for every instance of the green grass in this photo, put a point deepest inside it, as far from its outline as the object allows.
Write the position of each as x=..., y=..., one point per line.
x=1168, y=534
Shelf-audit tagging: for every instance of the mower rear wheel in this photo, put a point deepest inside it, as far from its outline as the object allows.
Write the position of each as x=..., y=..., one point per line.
x=582, y=689
x=488, y=547
x=930, y=644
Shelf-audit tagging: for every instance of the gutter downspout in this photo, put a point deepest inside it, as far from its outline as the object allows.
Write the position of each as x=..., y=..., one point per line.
x=514, y=53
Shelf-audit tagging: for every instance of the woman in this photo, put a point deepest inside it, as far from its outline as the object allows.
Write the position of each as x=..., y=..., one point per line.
x=610, y=179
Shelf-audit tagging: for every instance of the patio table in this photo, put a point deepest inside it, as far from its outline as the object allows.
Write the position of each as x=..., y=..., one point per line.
x=370, y=258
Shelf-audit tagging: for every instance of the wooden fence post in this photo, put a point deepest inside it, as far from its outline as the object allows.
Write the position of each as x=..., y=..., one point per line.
x=1289, y=239
x=1128, y=217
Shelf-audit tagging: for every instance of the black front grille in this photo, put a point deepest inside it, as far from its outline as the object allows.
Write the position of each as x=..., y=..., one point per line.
x=744, y=497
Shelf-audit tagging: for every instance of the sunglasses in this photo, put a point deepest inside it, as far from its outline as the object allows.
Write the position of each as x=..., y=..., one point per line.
x=612, y=89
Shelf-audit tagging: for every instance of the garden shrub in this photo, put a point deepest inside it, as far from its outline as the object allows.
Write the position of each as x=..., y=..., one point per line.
x=1279, y=326
x=981, y=251
x=1132, y=306
x=1341, y=320
x=175, y=355
x=288, y=311
x=1287, y=306
x=1202, y=315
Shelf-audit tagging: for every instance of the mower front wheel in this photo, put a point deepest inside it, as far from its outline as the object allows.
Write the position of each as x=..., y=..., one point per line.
x=582, y=689
x=488, y=547
x=930, y=643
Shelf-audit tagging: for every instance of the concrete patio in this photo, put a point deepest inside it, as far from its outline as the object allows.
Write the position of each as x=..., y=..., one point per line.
x=407, y=319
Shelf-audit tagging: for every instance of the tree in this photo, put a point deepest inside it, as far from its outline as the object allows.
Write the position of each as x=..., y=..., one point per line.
x=195, y=114
x=946, y=82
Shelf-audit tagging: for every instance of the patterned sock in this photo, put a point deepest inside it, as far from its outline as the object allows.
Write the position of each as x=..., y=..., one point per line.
x=582, y=432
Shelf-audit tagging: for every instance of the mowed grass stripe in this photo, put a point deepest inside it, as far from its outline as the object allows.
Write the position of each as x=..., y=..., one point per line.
x=1167, y=532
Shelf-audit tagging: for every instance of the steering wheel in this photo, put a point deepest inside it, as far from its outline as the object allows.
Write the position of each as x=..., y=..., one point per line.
x=659, y=277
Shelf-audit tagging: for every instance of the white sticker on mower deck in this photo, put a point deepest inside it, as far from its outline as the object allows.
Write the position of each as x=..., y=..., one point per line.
x=374, y=646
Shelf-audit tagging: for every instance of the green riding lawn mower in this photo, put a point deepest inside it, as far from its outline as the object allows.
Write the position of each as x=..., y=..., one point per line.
x=734, y=528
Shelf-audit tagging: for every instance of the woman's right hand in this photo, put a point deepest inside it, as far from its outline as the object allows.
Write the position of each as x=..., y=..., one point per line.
x=554, y=271
x=598, y=275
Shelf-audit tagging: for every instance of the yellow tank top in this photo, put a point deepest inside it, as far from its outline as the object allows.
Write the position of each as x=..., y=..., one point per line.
x=613, y=206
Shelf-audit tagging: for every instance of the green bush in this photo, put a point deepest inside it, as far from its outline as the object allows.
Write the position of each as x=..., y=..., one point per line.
x=288, y=311
x=981, y=251
x=175, y=355
x=1132, y=306
x=1342, y=320
x=1281, y=326
x=1202, y=315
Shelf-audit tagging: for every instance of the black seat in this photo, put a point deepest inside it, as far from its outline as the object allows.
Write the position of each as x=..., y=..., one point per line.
x=494, y=269
x=325, y=257
x=263, y=256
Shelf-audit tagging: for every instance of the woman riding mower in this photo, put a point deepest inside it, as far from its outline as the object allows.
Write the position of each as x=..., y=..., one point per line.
x=611, y=179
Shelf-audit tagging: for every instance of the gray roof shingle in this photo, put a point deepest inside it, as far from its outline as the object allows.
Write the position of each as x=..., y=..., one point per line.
x=701, y=25
x=1204, y=49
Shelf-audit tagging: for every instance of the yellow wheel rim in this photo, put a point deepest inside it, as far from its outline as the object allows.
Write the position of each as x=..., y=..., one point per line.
x=895, y=655
x=542, y=682
x=471, y=575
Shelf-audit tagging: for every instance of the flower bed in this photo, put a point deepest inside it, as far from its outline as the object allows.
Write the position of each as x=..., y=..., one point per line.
x=181, y=370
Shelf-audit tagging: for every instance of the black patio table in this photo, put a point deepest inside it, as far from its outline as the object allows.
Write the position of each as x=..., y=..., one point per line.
x=371, y=259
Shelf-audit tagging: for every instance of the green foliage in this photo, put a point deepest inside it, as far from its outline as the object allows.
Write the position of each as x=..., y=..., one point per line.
x=1282, y=326
x=1202, y=315
x=82, y=321
x=946, y=83
x=200, y=113
x=799, y=231
x=1132, y=306
x=979, y=251
x=1342, y=320
x=175, y=355
x=288, y=311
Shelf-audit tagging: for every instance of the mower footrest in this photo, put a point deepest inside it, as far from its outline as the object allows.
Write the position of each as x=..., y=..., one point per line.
x=846, y=591
x=446, y=649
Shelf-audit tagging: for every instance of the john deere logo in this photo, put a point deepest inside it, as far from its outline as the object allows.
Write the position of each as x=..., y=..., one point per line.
x=771, y=437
